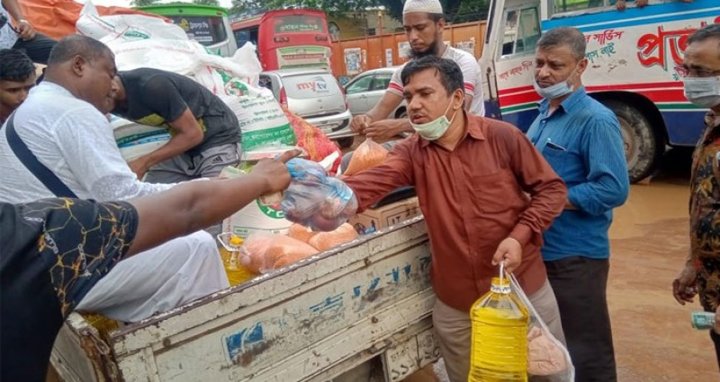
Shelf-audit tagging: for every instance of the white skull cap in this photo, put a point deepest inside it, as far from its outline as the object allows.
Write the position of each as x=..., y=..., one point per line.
x=425, y=6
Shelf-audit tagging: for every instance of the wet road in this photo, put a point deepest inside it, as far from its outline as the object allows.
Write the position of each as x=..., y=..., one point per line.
x=653, y=338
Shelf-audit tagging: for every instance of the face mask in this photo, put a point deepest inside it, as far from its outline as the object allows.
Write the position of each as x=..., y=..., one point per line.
x=704, y=92
x=433, y=130
x=558, y=90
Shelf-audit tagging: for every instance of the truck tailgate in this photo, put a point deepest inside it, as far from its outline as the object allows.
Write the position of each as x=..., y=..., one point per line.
x=310, y=321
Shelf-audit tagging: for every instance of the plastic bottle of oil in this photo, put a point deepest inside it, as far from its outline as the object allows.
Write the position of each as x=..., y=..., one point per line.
x=499, y=336
x=230, y=254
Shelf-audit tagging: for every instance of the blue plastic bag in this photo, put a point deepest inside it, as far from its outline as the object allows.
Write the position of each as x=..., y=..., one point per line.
x=316, y=200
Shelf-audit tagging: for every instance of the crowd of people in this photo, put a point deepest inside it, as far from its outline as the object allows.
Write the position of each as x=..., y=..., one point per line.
x=81, y=231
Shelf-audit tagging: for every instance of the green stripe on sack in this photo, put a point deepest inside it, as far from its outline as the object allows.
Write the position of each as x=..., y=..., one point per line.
x=282, y=134
x=135, y=137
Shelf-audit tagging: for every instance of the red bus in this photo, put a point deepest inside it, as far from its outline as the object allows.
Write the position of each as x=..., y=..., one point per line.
x=288, y=38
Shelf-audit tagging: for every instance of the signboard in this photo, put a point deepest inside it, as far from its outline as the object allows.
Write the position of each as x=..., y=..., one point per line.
x=299, y=24
x=388, y=57
x=304, y=56
x=404, y=50
x=353, y=61
x=198, y=28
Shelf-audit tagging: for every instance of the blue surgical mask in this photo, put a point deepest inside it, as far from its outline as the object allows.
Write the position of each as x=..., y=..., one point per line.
x=555, y=91
x=704, y=92
x=435, y=129
x=558, y=90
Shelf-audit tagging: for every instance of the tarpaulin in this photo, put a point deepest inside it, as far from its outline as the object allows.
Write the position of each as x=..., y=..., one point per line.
x=56, y=18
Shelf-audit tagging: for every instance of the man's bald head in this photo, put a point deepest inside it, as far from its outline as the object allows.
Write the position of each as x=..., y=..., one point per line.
x=76, y=45
x=86, y=68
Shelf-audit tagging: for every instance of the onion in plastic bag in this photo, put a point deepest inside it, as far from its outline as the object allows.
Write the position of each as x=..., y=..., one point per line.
x=316, y=200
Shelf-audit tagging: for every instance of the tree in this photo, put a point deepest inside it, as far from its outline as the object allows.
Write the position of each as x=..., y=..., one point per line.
x=207, y=2
x=142, y=3
x=330, y=7
x=456, y=11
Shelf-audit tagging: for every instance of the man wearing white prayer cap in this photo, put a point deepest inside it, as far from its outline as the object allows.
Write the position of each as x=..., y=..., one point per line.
x=424, y=22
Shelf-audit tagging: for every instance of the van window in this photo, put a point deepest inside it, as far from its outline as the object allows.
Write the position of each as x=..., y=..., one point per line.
x=382, y=81
x=522, y=31
x=311, y=86
x=361, y=85
x=207, y=30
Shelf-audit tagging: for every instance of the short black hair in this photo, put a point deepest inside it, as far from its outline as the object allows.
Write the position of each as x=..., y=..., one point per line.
x=564, y=36
x=706, y=33
x=436, y=17
x=450, y=74
x=77, y=45
x=15, y=65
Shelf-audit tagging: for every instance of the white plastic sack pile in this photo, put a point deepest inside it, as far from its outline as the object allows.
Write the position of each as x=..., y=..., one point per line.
x=263, y=123
x=136, y=140
x=125, y=27
x=234, y=79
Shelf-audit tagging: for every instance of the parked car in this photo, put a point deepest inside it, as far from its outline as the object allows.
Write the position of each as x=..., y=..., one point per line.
x=316, y=96
x=366, y=90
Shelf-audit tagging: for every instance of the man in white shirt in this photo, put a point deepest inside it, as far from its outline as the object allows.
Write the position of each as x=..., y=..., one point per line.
x=62, y=123
x=424, y=22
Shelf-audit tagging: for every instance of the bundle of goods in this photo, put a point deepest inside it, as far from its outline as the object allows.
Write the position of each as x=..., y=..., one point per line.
x=264, y=252
x=510, y=341
x=312, y=140
x=127, y=27
x=322, y=241
x=369, y=154
x=316, y=200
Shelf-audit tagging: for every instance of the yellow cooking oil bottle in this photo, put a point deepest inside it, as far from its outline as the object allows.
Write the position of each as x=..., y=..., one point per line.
x=230, y=254
x=499, y=335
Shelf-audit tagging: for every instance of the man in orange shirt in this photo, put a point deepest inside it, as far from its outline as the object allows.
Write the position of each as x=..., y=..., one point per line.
x=487, y=196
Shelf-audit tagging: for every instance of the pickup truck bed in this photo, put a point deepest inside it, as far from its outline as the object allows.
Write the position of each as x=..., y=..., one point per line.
x=368, y=300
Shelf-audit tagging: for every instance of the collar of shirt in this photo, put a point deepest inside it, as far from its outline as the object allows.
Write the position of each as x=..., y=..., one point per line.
x=473, y=130
x=568, y=105
x=53, y=87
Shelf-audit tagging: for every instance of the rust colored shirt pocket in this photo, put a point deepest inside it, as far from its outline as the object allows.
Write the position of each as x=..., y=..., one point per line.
x=497, y=192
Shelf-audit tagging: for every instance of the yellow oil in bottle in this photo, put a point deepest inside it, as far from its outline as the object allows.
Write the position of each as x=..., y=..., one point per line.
x=236, y=272
x=499, y=336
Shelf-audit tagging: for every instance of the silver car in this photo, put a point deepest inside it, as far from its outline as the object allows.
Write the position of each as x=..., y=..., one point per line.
x=316, y=96
x=366, y=90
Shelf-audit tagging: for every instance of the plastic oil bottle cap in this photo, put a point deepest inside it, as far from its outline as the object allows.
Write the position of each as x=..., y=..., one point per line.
x=501, y=287
x=236, y=241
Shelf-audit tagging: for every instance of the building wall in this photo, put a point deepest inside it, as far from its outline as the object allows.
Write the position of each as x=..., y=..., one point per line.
x=357, y=24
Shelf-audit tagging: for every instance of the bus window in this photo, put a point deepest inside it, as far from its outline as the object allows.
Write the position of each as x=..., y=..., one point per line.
x=510, y=35
x=528, y=30
x=203, y=29
x=246, y=35
x=522, y=36
x=579, y=5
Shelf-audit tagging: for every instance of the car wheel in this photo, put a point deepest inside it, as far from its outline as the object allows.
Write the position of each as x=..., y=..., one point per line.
x=643, y=149
x=402, y=115
x=346, y=142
